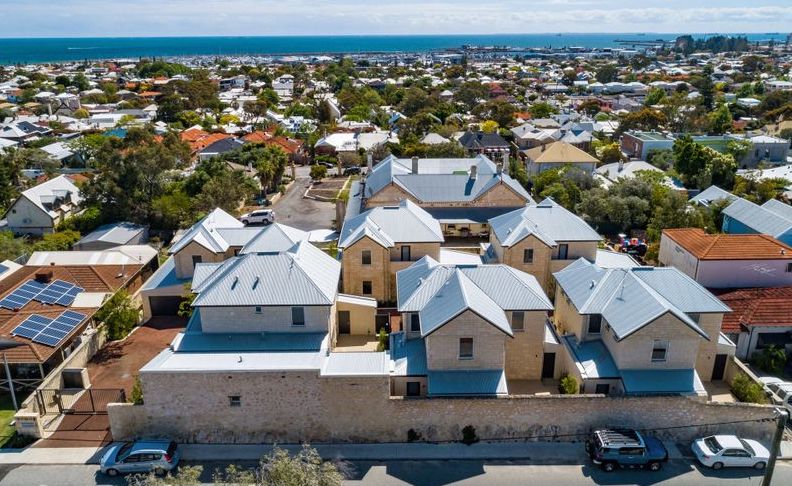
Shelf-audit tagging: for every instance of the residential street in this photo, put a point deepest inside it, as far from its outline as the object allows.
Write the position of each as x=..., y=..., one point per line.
x=304, y=214
x=440, y=473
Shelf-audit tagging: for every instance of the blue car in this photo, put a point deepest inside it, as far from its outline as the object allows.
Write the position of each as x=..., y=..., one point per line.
x=158, y=456
x=612, y=449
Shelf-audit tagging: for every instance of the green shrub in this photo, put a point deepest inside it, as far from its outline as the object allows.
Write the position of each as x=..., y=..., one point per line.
x=568, y=385
x=137, y=391
x=413, y=435
x=747, y=390
x=771, y=359
x=118, y=315
x=469, y=435
x=318, y=172
x=384, y=342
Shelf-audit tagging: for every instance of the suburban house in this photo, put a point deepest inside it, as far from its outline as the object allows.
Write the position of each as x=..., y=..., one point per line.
x=555, y=155
x=640, y=330
x=772, y=218
x=468, y=330
x=381, y=241
x=214, y=239
x=712, y=195
x=220, y=147
x=112, y=235
x=727, y=260
x=760, y=317
x=528, y=136
x=462, y=194
x=41, y=208
x=541, y=239
x=477, y=143
x=47, y=304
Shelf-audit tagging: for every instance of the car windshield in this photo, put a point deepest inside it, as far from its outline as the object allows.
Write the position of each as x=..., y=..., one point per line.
x=124, y=450
x=713, y=445
x=171, y=448
x=747, y=447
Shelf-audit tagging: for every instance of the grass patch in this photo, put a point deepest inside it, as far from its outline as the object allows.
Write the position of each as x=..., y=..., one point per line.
x=7, y=431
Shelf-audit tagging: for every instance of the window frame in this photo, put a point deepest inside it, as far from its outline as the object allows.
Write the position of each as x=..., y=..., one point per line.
x=365, y=255
x=363, y=286
x=257, y=310
x=565, y=247
x=664, y=345
x=522, y=321
x=415, y=321
x=466, y=340
x=196, y=259
x=409, y=253
x=598, y=319
x=296, y=322
x=235, y=401
x=528, y=255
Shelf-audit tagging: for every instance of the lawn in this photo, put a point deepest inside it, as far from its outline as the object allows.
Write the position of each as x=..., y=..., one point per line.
x=6, y=416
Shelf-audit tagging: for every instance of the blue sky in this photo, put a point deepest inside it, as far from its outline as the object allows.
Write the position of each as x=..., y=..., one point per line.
x=88, y=18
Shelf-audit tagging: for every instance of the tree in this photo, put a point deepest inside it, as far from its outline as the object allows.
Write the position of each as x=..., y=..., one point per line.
x=654, y=97
x=720, y=120
x=607, y=73
x=489, y=126
x=469, y=94
x=10, y=176
x=589, y=107
x=707, y=88
x=60, y=241
x=645, y=119
x=608, y=152
x=118, y=315
x=500, y=111
x=305, y=468
x=81, y=114
x=11, y=248
x=185, y=306
x=542, y=109
x=702, y=166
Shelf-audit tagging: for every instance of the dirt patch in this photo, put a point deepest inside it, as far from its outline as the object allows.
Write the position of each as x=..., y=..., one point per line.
x=327, y=188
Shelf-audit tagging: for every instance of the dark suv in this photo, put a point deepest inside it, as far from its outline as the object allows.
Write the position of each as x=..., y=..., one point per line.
x=625, y=448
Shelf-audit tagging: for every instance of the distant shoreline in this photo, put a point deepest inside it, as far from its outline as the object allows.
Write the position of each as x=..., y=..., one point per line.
x=71, y=49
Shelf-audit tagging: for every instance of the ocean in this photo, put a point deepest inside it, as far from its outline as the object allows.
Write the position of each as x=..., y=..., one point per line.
x=21, y=51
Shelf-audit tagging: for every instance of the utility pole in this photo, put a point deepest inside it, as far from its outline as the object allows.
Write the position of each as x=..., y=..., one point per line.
x=781, y=419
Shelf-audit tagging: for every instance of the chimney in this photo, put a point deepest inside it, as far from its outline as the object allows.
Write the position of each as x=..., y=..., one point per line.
x=499, y=168
x=473, y=170
x=415, y=165
x=369, y=163
x=505, y=165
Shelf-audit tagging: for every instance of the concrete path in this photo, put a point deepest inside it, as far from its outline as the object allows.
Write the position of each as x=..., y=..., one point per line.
x=51, y=455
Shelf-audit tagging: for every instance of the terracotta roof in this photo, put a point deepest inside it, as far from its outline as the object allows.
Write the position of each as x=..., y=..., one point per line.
x=257, y=137
x=101, y=278
x=286, y=144
x=756, y=307
x=559, y=153
x=192, y=134
x=208, y=140
x=729, y=247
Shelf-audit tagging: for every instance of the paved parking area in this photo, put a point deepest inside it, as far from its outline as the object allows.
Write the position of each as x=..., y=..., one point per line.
x=305, y=214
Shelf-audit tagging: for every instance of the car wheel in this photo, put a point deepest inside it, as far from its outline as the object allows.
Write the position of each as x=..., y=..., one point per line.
x=159, y=472
x=245, y=222
x=112, y=472
x=760, y=465
x=608, y=467
x=267, y=222
x=717, y=465
x=654, y=466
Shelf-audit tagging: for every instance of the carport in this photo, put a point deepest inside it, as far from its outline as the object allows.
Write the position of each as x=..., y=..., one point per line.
x=163, y=292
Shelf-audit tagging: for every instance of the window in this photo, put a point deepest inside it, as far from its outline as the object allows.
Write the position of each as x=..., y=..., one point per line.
x=631, y=451
x=528, y=255
x=789, y=267
x=365, y=256
x=415, y=322
x=602, y=389
x=405, y=253
x=465, y=348
x=413, y=388
x=563, y=251
x=594, y=323
x=133, y=458
x=367, y=287
x=659, y=351
x=518, y=321
x=196, y=259
x=236, y=251
x=235, y=401
x=298, y=316
x=258, y=309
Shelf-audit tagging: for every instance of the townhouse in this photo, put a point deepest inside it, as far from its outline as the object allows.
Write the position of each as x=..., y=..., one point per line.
x=760, y=317
x=772, y=218
x=541, y=239
x=640, y=330
x=727, y=260
x=555, y=155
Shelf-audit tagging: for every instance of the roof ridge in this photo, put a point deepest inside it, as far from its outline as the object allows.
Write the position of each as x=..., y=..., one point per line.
x=308, y=276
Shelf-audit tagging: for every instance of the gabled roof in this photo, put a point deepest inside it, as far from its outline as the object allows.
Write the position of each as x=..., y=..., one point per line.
x=120, y=233
x=48, y=193
x=772, y=218
x=205, y=232
x=631, y=298
x=388, y=225
x=482, y=140
x=302, y=275
x=273, y=238
x=729, y=246
x=441, y=292
x=712, y=194
x=559, y=153
x=548, y=221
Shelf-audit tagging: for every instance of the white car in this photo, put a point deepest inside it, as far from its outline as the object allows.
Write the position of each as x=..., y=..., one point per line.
x=781, y=394
x=718, y=451
x=261, y=216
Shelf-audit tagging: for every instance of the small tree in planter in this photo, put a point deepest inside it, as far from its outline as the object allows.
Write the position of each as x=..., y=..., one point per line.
x=118, y=315
x=318, y=172
x=568, y=385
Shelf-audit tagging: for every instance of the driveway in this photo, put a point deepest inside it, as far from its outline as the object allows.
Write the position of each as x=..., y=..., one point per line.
x=301, y=213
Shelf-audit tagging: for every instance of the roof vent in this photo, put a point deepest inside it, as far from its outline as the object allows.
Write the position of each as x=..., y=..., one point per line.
x=234, y=283
x=256, y=282
x=592, y=284
x=239, y=359
x=44, y=277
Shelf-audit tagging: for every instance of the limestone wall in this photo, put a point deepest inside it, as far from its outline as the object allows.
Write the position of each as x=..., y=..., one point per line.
x=294, y=407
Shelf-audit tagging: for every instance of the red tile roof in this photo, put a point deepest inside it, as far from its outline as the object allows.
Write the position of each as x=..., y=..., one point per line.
x=729, y=247
x=756, y=307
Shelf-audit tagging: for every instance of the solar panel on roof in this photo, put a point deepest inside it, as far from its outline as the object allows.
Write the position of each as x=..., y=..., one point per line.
x=59, y=292
x=22, y=295
x=31, y=326
x=59, y=328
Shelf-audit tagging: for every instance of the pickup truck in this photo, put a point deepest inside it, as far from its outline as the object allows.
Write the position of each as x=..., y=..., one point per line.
x=611, y=449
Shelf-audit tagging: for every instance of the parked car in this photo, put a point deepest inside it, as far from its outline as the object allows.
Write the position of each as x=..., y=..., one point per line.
x=261, y=216
x=352, y=169
x=717, y=451
x=158, y=456
x=263, y=201
x=781, y=394
x=766, y=381
x=326, y=164
x=625, y=448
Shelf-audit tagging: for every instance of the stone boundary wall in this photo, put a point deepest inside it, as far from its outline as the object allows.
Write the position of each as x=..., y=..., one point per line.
x=302, y=407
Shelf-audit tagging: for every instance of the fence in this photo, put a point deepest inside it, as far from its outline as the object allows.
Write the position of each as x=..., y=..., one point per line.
x=89, y=401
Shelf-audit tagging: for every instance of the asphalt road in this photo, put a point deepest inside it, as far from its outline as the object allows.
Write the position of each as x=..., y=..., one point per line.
x=304, y=214
x=441, y=473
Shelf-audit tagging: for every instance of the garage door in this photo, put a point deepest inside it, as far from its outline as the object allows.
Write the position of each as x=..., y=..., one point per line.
x=164, y=306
